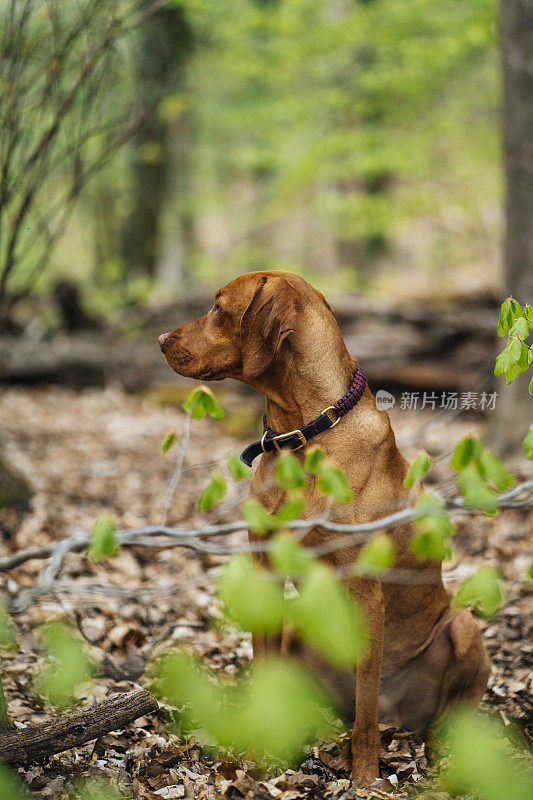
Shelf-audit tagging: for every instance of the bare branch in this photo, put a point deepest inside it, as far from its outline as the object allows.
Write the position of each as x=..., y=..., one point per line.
x=163, y=536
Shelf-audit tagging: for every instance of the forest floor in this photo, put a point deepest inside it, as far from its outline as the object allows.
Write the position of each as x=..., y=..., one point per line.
x=97, y=451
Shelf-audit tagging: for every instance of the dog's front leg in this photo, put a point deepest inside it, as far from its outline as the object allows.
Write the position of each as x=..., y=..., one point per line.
x=264, y=644
x=365, y=734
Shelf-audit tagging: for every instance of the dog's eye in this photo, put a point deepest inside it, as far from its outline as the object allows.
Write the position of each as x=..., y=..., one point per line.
x=216, y=307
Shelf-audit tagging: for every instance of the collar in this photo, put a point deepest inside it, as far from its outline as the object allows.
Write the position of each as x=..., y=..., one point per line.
x=295, y=440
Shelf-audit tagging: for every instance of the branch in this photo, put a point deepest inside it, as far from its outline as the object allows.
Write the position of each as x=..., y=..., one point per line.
x=165, y=536
x=195, y=539
x=37, y=742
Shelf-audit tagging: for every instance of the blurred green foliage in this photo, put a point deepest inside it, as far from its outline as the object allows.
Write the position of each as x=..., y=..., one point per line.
x=480, y=761
x=202, y=401
x=271, y=718
x=419, y=467
x=291, y=129
x=8, y=639
x=104, y=542
x=167, y=442
x=350, y=110
x=67, y=665
x=213, y=492
x=252, y=597
x=10, y=786
x=94, y=789
x=482, y=591
x=237, y=469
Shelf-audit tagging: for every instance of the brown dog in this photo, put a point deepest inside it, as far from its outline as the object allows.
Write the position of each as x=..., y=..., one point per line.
x=276, y=333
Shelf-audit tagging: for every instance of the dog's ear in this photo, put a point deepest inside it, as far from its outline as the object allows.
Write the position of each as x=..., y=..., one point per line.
x=270, y=317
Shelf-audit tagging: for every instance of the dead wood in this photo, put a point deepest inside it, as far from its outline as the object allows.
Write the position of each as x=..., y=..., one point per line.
x=37, y=742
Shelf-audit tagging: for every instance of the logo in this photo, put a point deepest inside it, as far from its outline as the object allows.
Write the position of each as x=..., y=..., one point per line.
x=384, y=400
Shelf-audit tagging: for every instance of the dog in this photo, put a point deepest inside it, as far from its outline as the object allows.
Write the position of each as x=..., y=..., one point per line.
x=275, y=332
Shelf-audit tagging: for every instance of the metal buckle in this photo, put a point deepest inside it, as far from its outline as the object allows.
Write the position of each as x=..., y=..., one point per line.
x=331, y=408
x=298, y=433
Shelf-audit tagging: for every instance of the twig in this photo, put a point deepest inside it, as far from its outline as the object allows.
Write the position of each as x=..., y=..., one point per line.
x=165, y=536
x=195, y=539
x=178, y=469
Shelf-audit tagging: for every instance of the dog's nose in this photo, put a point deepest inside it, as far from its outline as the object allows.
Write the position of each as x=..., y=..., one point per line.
x=162, y=339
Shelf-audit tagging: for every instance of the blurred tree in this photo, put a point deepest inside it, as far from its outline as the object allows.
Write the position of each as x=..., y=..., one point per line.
x=166, y=43
x=326, y=123
x=514, y=411
x=61, y=122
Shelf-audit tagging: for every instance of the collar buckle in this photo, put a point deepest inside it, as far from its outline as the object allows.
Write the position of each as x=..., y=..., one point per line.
x=282, y=436
x=331, y=408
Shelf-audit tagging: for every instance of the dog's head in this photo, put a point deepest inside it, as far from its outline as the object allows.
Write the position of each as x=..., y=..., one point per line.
x=243, y=334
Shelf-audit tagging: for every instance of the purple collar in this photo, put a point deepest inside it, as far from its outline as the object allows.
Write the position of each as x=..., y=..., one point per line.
x=294, y=440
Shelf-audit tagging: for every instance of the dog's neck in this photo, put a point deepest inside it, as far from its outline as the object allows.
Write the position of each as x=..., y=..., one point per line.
x=305, y=383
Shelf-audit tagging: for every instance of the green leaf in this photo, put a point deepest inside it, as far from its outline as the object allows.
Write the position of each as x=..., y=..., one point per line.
x=257, y=518
x=475, y=491
x=68, y=665
x=181, y=681
x=530, y=571
x=202, y=401
x=291, y=509
x=523, y=359
x=328, y=619
x=376, y=556
x=482, y=590
x=289, y=473
x=168, y=441
x=333, y=481
x=212, y=493
x=505, y=320
x=531, y=381
x=465, y=452
x=513, y=372
x=420, y=467
x=237, y=469
x=433, y=528
x=95, y=789
x=212, y=406
x=527, y=444
x=480, y=760
x=528, y=311
x=288, y=556
x=313, y=458
x=8, y=640
x=428, y=504
x=493, y=471
x=504, y=362
x=515, y=350
x=516, y=309
x=11, y=788
x=520, y=328
x=284, y=710
x=252, y=597
x=430, y=539
x=103, y=542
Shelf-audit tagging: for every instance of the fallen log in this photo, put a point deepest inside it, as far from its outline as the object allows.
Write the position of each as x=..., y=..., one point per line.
x=37, y=742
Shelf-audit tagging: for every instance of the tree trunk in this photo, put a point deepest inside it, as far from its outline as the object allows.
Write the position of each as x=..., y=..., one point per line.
x=515, y=405
x=166, y=45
